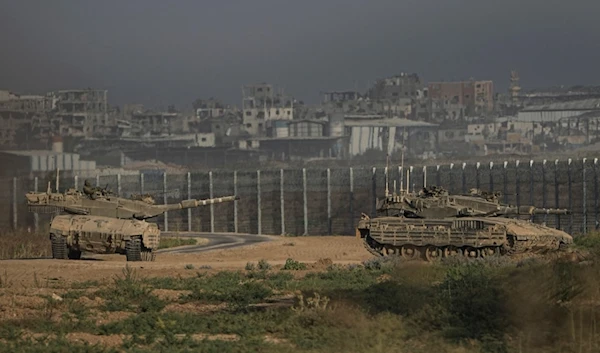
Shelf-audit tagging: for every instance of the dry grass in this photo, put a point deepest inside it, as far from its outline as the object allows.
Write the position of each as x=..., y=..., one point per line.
x=22, y=244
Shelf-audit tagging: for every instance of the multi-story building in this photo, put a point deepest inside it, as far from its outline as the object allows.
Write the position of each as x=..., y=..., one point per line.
x=211, y=108
x=261, y=104
x=23, y=119
x=82, y=113
x=152, y=123
x=452, y=100
x=403, y=85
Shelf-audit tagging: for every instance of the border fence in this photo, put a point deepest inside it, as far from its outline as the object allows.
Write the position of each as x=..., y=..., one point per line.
x=327, y=201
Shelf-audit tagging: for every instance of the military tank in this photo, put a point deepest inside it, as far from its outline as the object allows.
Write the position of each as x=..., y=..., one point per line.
x=99, y=222
x=432, y=224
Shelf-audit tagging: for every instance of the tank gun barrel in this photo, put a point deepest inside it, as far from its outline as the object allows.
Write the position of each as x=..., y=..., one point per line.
x=192, y=203
x=155, y=210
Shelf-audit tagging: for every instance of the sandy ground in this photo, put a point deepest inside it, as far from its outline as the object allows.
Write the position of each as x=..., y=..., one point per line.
x=41, y=273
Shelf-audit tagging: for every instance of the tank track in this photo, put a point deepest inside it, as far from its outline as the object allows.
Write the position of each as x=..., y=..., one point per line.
x=496, y=251
x=135, y=251
x=59, y=247
x=371, y=250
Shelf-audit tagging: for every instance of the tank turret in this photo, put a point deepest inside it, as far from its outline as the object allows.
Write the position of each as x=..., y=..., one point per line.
x=436, y=202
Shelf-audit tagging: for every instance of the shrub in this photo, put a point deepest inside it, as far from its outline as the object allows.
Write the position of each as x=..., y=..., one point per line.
x=293, y=265
x=264, y=265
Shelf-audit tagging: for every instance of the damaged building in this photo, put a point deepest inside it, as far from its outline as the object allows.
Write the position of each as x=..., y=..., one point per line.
x=261, y=104
x=457, y=100
x=82, y=113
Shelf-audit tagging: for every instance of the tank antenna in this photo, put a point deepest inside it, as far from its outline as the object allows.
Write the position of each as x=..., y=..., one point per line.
x=387, y=184
x=407, y=180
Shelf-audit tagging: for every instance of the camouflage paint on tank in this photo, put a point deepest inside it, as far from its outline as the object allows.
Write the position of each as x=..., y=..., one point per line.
x=435, y=224
x=103, y=235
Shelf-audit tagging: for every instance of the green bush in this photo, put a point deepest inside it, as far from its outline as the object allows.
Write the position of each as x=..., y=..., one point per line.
x=293, y=265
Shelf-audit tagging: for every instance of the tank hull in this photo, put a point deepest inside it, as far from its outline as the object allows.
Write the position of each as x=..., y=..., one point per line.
x=72, y=234
x=431, y=239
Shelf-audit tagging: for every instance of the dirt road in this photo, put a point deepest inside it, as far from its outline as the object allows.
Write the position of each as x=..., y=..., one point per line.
x=44, y=272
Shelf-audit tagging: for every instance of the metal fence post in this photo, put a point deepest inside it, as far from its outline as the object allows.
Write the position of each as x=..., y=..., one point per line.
x=544, y=191
x=596, y=193
x=141, y=183
x=14, y=203
x=531, y=200
x=282, y=200
x=556, y=199
x=374, y=192
x=212, y=206
x=119, y=184
x=505, y=182
x=36, y=217
x=464, y=179
x=477, y=180
x=189, y=196
x=351, y=201
x=258, y=209
x=570, y=192
x=424, y=176
x=305, y=201
x=235, y=202
x=451, y=178
x=517, y=183
x=584, y=197
x=329, y=225
x=166, y=219
x=491, y=176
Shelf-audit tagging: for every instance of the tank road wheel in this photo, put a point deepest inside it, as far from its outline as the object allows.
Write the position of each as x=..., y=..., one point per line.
x=471, y=252
x=433, y=253
x=59, y=247
x=489, y=252
x=409, y=252
x=451, y=251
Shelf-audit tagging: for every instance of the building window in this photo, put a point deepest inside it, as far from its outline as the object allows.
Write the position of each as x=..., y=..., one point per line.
x=248, y=113
x=217, y=126
x=289, y=112
x=248, y=125
x=204, y=139
x=260, y=126
x=277, y=112
x=259, y=89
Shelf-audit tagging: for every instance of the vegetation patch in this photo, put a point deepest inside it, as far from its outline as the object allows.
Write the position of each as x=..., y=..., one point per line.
x=24, y=244
x=172, y=242
x=488, y=305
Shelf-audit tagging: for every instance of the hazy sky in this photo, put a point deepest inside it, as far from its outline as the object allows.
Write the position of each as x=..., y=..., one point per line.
x=158, y=52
